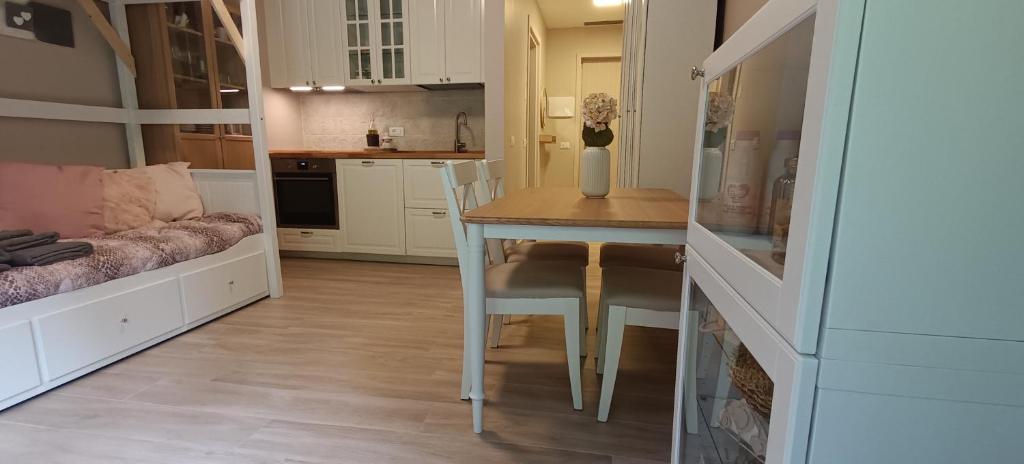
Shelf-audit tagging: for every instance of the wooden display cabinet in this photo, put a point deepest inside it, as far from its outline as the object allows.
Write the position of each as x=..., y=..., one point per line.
x=186, y=61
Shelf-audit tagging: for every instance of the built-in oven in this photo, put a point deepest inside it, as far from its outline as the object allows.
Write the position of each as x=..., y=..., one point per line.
x=305, y=193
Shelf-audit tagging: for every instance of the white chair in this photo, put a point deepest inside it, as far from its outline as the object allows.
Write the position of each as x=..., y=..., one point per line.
x=539, y=288
x=637, y=297
x=491, y=186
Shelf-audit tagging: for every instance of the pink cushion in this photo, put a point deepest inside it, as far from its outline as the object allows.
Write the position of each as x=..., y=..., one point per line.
x=176, y=195
x=65, y=199
x=129, y=200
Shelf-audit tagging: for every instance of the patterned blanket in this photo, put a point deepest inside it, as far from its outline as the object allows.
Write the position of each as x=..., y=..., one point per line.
x=128, y=253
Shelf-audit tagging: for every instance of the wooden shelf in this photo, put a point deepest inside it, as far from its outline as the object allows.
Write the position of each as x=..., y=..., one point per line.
x=186, y=29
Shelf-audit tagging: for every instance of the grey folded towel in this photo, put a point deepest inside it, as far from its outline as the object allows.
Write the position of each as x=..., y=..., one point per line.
x=6, y=234
x=28, y=241
x=49, y=254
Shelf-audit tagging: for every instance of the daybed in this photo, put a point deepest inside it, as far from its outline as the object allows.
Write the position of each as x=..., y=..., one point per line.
x=51, y=340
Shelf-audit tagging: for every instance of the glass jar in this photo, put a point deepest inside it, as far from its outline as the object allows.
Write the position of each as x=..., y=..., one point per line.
x=782, y=207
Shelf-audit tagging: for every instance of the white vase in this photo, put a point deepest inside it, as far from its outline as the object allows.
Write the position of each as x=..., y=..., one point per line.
x=595, y=172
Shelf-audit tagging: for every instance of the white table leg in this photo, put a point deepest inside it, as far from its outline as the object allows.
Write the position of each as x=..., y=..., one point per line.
x=476, y=315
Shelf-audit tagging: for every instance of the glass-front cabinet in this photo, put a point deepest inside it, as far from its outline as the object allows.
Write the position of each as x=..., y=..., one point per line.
x=763, y=215
x=376, y=47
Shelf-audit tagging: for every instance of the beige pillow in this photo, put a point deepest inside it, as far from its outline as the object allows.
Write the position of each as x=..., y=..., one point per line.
x=176, y=195
x=129, y=200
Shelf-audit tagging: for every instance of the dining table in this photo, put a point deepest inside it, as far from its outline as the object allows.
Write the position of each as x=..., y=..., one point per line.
x=625, y=215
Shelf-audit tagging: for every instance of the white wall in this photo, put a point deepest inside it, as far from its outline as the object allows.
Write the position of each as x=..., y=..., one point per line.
x=85, y=74
x=494, y=77
x=520, y=16
x=680, y=34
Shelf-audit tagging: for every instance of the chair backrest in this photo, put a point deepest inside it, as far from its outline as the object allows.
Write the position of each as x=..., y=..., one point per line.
x=492, y=177
x=460, y=183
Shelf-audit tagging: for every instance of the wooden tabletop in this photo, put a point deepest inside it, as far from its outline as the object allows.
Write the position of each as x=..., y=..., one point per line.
x=566, y=206
x=363, y=154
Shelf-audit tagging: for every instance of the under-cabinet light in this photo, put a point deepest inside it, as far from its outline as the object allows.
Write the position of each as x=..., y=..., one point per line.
x=300, y=88
x=332, y=88
x=604, y=3
x=229, y=90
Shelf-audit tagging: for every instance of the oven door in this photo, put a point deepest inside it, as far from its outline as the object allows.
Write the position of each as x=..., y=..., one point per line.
x=306, y=200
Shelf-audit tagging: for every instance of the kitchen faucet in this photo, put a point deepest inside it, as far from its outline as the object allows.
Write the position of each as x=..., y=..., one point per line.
x=461, y=119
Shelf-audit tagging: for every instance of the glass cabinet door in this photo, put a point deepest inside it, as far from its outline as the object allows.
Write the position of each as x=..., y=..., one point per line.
x=231, y=83
x=769, y=157
x=190, y=64
x=751, y=148
x=358, y=45
x=393, y=40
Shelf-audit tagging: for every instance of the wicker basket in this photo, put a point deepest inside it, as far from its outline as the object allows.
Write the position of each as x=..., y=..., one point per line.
x=752, y=381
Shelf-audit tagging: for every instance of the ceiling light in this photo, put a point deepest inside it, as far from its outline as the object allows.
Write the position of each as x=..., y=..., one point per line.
x=332, y=88
x=229, y=90
x=300, y=88
x=604, y=3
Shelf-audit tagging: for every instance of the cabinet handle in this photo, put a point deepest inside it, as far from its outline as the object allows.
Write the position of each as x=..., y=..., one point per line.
x=448, y=79
x=231, y=282
x=439, y=213
x=124, y=320
x=305, y=233
x=368, y=163
x=696, y=72
x=440, y=79
x=437, y=164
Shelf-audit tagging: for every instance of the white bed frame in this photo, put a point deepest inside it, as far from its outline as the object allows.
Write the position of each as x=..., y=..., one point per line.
x=51, y=341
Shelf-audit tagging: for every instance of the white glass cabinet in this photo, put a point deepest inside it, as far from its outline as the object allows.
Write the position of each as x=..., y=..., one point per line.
x=764, y=196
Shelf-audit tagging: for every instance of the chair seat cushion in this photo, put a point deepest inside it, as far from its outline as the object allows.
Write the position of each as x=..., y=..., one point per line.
x=577, y=252
x=646, y=256
x=535, y=279
x=633, y=287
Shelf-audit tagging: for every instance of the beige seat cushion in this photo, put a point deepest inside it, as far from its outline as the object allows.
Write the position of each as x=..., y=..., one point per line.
x=646, y=256
x=633, y=287
x=535, y=279
x=577, y=252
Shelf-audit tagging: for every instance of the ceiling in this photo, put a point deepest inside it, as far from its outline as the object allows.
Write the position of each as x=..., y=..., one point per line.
x=573, y=13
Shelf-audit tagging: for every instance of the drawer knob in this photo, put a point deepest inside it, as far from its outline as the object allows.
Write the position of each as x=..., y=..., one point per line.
x=231, y=282
x=124, y=320
x=680, y=258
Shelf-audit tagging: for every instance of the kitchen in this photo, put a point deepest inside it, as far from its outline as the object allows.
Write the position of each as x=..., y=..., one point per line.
x=361, y=113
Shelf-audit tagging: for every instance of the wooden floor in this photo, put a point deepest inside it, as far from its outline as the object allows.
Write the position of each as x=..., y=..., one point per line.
x=358, y=363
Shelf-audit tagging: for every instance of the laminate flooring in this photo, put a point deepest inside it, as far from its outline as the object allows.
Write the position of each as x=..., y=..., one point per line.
x=358, y=363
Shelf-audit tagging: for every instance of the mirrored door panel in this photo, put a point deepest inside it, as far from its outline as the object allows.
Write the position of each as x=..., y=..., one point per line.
x=751, y=147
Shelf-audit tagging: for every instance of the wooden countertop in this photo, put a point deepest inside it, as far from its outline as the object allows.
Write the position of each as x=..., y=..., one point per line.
x=565, y=206
x=361, y=154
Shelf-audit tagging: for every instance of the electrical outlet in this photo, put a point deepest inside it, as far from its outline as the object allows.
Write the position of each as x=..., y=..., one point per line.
x=564, y=145
x=397, y=131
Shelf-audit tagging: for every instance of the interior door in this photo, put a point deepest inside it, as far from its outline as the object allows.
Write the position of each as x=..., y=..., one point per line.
x=427, y=27
x=463, y=41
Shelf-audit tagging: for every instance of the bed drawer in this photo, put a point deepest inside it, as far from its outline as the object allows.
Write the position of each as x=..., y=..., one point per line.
x=81, y=335
x=308, y=239
x=19, y=370
x=218, y=287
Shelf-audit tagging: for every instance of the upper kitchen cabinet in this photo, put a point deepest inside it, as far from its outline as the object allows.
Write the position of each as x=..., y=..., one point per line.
x=447, y=41
x=766, y=171
x=304, y=43
x=376, y=41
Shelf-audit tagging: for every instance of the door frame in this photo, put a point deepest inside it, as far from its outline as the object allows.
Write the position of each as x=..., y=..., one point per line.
x=532, y=116
x=580, y=58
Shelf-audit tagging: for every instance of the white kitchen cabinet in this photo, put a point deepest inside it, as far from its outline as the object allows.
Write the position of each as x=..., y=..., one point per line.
x=304, y=42
x=370, y=196
x=376, y=42
x=423, y=186
x=447, y=41
x=428, y=232
x=325, y=240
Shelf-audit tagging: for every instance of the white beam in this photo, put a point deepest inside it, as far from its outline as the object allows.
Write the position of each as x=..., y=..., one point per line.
x=264, y=185
x=14, y=108
x=126, y=82
x=220, y=116
x=229, y=24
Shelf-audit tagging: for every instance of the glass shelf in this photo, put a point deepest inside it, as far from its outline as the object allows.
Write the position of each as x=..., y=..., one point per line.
x=751, y=147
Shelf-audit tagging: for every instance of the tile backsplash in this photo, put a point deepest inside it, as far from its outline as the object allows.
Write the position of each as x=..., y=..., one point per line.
x=339, y=121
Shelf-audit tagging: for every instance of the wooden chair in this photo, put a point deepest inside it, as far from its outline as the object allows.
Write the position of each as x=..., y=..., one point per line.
x=637, y=297
x=645, y=256
x=491, y=186
x=554, y=288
